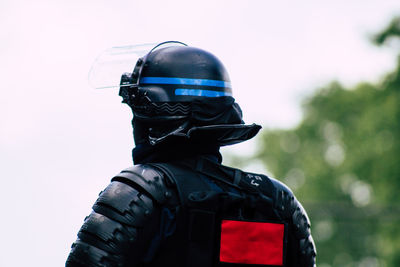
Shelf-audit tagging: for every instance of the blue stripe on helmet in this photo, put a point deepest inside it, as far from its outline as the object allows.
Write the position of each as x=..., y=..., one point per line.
x=184, y=81
x=200, y=92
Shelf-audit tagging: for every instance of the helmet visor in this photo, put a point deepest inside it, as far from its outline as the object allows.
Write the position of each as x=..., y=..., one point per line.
x=108, y=67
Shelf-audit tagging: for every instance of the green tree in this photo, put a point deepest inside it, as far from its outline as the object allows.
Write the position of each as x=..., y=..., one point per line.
x=343, y=163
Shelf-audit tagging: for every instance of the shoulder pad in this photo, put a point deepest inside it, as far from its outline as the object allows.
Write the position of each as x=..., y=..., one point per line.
x=123, y=203
x=285, y=201
x=280, y=186
x=292, y=211
x=146, y=179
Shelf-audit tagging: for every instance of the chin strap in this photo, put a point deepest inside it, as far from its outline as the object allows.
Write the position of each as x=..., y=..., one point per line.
x=180, y=131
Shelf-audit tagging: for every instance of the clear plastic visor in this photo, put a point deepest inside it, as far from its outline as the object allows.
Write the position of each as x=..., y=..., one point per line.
x=108, y=67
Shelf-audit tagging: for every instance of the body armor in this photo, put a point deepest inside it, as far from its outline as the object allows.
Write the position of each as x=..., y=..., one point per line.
x=186, y=214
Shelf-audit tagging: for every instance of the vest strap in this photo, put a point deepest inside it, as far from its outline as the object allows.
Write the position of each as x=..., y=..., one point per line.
x=199, y=220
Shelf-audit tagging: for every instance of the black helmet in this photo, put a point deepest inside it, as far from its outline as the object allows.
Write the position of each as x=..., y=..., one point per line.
x=183, y=92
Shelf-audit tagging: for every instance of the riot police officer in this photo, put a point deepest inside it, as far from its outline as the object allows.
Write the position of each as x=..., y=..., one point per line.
x=178, y=205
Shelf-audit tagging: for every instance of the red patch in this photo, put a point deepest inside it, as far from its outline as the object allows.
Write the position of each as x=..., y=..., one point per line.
x=252, y=242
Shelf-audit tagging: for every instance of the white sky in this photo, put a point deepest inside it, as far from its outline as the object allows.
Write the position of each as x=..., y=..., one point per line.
x=61, y=141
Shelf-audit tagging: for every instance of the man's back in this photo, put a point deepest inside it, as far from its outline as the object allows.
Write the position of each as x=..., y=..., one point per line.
x=194, y=212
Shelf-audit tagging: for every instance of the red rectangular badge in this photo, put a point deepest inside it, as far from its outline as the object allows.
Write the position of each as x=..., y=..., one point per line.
x=252, y=242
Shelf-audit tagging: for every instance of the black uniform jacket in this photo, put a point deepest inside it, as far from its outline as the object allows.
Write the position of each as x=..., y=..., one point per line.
x=194, y=212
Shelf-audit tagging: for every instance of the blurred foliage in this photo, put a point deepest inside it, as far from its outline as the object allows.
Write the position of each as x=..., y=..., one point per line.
x=342, y=162
x=392, y=31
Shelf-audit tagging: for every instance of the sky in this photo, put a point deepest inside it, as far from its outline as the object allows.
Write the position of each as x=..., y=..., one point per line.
x=61, y=141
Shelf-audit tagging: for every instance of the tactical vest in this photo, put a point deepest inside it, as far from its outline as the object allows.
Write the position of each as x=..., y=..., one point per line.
x=233, y=224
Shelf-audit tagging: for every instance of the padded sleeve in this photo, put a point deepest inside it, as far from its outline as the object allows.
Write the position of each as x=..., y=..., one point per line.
x=291, y=210
x=113, y=234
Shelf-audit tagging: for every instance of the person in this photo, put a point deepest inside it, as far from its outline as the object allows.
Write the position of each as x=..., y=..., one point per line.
x=178, y=205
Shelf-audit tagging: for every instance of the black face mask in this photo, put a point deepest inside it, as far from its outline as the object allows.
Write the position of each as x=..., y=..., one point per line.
x=216, y=111
x=218, y=120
